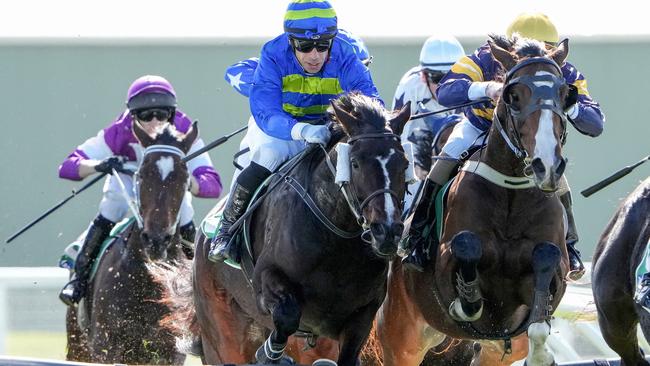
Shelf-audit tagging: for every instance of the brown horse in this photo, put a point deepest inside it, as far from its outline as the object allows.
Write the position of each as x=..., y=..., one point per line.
x=620, y=250
x=500, y=268
x=313, y=272
x=118, y=320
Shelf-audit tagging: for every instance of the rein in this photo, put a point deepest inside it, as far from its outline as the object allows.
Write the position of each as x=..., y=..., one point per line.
x=134, y=203
x=539, y=94
x=349, y=193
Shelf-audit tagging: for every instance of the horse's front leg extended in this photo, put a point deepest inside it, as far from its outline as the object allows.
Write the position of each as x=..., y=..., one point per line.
x=546, y=260
x=279, y=298
x=355, y=333
x=468, y=306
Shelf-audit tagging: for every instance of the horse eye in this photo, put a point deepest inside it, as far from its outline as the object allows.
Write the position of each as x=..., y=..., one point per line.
x=354, y=164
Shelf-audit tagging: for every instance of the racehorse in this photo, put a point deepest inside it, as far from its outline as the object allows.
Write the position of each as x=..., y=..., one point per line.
x=321, y=255
x=501, y=264
x=121, y=312
x=620, y=250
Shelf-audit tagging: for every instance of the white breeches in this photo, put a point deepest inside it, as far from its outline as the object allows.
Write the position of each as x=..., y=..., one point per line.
x=265, y=150
x=462, y=138
x=114, y=206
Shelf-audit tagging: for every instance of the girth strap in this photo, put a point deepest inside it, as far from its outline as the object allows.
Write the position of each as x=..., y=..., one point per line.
x=306, y=198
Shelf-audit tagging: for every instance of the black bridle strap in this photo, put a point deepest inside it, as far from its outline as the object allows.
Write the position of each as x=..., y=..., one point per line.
x=376, y=135
x=306, y=198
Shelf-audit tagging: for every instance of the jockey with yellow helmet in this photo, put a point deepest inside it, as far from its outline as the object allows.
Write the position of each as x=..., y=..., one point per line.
x=299, y=72
x=472, y=78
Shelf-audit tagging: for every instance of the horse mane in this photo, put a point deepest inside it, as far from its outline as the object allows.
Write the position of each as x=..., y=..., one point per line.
x=520, y=47
x=168, y=135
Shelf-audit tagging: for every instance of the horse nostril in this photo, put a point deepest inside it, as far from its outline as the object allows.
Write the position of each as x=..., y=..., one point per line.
x=396, y=229
x=167, y=238
x=538, y=167
x=560, y=167
x=378, y=231
x=144, y=236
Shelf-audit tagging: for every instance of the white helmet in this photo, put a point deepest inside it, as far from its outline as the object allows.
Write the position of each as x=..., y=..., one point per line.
x=440, y=52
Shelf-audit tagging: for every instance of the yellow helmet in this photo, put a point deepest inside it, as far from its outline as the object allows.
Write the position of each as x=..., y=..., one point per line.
x=534, y=25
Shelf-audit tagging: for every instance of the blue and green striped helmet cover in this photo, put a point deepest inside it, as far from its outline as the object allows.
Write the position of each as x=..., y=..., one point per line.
x=310, y=19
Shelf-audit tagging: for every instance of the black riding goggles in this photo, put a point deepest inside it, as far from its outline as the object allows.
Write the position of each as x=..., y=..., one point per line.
x=434, y=76
x=307, y=45
x=147, y=115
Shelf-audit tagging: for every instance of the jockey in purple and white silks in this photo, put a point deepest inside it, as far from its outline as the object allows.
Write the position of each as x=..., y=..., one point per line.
x=473, y=78
x=151, y=101
x=298, y=74
x=240, y=77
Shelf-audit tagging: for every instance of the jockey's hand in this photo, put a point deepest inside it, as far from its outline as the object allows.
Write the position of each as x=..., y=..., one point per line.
x=571, y=102
x=114, y=162
x=311, y=133
x=493, y=90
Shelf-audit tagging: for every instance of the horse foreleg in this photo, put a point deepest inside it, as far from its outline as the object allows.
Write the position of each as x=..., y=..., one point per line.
x=546, y=260
x=404, y=334
x=355, y=333
x=493, y=353
x=279, y=298
x=468, y=306
x=77, y=349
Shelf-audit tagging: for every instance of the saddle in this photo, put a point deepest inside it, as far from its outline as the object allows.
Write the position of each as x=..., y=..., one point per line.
x=212, y=222
x=70, y=252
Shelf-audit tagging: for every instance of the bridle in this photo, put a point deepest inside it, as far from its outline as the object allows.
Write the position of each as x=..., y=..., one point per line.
x=349, y=192
x=550, y=90
x=135, y=204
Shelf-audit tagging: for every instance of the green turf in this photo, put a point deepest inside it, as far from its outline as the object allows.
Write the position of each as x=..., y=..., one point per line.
x=49, y=345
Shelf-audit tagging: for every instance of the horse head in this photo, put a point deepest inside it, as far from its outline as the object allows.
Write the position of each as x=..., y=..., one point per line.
x=530, y=114
x=161, y=182
x=377, y=165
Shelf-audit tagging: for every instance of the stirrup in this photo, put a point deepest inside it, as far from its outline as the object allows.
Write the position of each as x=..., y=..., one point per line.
x=71, y=293
x=219, y=248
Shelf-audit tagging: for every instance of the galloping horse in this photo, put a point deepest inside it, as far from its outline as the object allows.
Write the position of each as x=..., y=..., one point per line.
x=321, y=250
x=121, y=312
x=620, y=250
x=500, y=267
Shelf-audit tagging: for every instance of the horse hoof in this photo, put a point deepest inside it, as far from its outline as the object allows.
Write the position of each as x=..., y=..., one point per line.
x=324, y=362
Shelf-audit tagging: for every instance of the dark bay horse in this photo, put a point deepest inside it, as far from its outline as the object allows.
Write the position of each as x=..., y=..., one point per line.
x=620, y=250
x=500, y=268
x=320, y=278
x=119, y=317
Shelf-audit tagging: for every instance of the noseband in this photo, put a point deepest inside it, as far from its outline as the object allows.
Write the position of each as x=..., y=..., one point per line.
x=349, y=190
x=539, y=95
x=135, y=206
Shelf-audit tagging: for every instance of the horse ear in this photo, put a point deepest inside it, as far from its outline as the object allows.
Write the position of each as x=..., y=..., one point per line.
x=397, y=122
x=561, y=52
x=141, y=134
x=345, y=119
x=502, y=56
x=190, y=136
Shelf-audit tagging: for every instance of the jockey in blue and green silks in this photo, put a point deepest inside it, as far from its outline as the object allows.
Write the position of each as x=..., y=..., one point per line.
x=299, y=73
x=472, y=78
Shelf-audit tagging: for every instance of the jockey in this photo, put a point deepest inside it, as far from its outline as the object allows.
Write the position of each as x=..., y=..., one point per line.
x=419, y=84
x=151, y=101
x=299, y=72
x=472, y=78
x=240, y=77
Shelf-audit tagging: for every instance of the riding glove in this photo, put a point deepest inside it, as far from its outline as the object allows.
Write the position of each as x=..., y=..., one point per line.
x=310, y=133
x=114, y=162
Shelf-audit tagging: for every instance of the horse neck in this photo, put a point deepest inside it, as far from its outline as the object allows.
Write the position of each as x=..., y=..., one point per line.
x=328, y=195
x=498, y=154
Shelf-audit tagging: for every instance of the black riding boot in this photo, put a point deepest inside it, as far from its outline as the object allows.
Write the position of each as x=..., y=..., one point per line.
x=577, y=268
x=423, y=220
x=187, y=232
x=642, y=291
x=250, y=178
x=75, y=289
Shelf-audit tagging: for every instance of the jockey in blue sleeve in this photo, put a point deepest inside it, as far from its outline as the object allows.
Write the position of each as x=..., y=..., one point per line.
x=151, y=102
x=240, y=77
x=472, y=78
x=299, y=72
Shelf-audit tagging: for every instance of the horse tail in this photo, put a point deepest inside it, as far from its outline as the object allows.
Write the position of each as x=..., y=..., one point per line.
x=176, y=282
x=372, y=354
